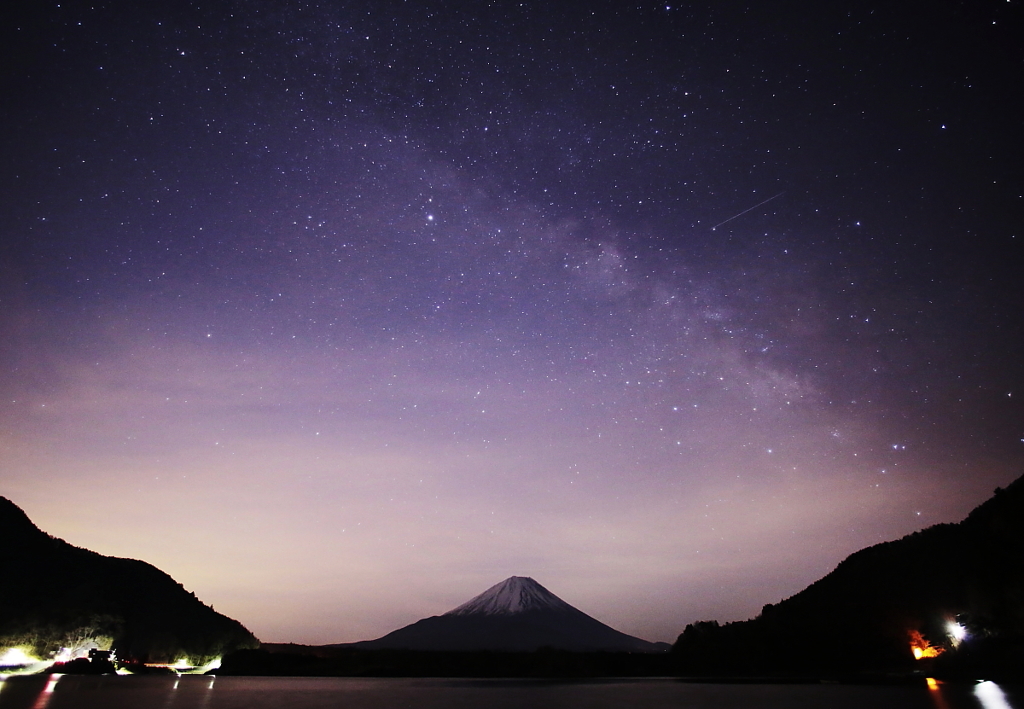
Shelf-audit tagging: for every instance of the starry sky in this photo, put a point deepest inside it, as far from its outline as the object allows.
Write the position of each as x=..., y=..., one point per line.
x=342, y=312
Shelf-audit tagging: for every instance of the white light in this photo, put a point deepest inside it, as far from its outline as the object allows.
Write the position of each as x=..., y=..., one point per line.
x=991, y=696
x=956, y=631
x=16, y=656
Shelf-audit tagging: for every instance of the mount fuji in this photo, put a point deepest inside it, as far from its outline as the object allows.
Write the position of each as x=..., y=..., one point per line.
x=517, y=614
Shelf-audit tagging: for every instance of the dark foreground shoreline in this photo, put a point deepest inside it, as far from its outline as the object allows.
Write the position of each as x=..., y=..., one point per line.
x=299, y=660
x=285, y=692
x=313, y=661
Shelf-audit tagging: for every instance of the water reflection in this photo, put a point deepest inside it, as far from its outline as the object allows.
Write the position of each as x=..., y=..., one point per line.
x=185, y=692
x=197, y=692
x=44, y=696
x=991, y=696
x=935, y=691
x=169, y=701
x=208, y=693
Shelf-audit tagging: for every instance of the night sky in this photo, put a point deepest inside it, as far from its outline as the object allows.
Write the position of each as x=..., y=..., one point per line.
x=342, y=312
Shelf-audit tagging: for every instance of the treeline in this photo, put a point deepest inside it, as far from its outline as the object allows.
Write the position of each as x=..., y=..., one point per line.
x=52, y=590
x=864, y=615
x=44, y=638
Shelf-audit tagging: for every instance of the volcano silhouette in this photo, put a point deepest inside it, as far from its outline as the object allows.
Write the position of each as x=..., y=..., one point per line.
x=517, y=614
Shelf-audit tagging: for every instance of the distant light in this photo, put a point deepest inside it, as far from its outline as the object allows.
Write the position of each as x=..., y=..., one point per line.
x=921, y=648
x=16, y=656
x=956, y=631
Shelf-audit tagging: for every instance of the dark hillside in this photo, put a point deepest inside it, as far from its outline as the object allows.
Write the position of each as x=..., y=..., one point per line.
x=862, y=616
x=53, y=594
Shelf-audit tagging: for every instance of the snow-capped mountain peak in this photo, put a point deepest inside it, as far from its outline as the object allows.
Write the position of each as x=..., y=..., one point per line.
x=517, y=615
x=516, y=594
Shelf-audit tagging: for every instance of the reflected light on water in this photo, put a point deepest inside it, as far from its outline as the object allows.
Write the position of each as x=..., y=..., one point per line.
x=44, y=697
x=169, y=699
x=170, y=692
x=208, y=693
x=991, y=696
x=935, y=687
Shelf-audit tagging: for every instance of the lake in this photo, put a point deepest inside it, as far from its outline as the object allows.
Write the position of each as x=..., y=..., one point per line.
x=200, y=692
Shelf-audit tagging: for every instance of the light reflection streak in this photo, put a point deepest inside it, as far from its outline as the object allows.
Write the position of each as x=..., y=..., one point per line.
x=935, y=687
x=171, y=694
x=208, y=693
x=44, y=697
x=991, y=696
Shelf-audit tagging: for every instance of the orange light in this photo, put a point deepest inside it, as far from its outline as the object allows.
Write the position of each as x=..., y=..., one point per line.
x=921, y=647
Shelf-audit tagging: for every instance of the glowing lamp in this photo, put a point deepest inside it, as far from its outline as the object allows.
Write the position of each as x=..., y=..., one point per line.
x=15, y=656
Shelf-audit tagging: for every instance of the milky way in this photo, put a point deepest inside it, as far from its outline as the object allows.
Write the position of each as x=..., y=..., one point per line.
x=341, y=313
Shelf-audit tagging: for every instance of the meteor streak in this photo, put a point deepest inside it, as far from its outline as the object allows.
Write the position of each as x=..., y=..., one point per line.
x=746, y=210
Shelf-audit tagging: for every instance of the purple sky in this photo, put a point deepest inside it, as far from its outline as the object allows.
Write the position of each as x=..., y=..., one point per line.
x=341, y=313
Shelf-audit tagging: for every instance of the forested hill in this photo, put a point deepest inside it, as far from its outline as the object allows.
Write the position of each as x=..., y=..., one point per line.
x=864, y=615
x=53, y=594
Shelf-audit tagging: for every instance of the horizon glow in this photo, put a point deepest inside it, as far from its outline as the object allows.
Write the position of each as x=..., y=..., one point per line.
x=341, y=315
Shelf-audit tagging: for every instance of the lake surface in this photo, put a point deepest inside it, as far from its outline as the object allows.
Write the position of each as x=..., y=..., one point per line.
x=186, y=692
